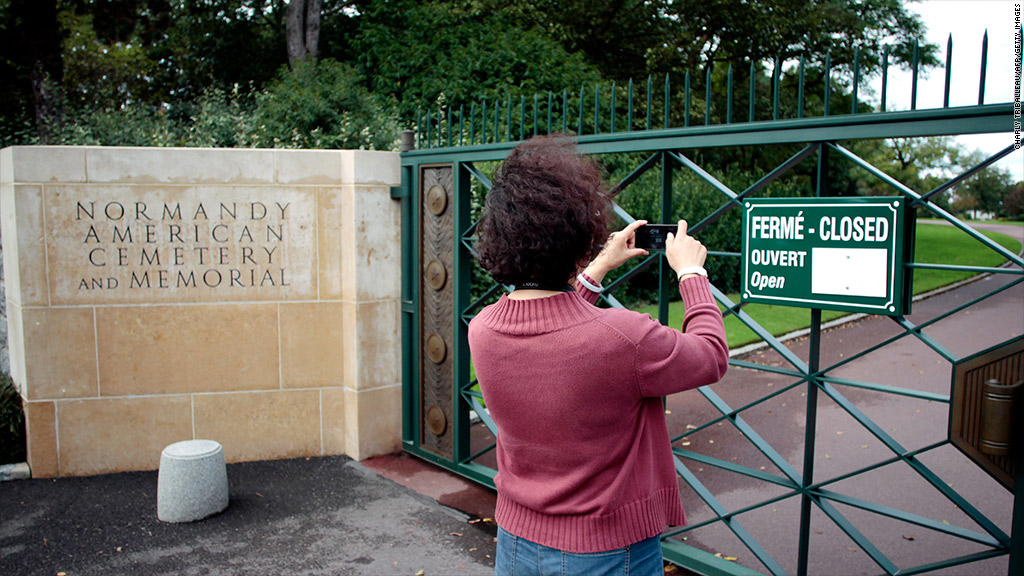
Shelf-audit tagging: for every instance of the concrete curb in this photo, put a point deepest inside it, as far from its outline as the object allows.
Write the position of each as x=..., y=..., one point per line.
x=19, y=471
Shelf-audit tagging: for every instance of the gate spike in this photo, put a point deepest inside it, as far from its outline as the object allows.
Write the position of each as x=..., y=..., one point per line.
x=549, y=111
x=535, y=106
x=728, y=96
x=629, y=108
x=650, y=99
x=828, y=80
x=668, y=101
x=800, y=90
x=612, y=124
x=753, y=89
x=565, y=110
x=885, y=77
x=984, y=66
x=856, y=79
x=579, y=126
x=949, y=70
x=913, y=85
x=497, y=119
x=776, y=80
x=707, y=95
x=686, y=109
x=522, y=117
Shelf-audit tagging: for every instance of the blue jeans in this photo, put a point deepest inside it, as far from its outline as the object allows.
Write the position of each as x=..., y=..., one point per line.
x=520, y=557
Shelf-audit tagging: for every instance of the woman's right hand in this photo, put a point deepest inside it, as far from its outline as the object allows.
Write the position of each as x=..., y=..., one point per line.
x=684, y=251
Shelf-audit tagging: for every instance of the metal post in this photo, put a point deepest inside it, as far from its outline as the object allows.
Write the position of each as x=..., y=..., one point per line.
x=1017, y=524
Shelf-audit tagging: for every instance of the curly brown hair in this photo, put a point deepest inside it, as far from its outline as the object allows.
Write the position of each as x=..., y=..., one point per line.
x=545, y=216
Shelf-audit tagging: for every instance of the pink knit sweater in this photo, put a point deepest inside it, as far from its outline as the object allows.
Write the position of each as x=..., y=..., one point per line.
x=584, y=460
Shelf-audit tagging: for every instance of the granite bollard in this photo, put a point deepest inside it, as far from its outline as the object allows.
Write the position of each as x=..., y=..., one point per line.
x=193, y=482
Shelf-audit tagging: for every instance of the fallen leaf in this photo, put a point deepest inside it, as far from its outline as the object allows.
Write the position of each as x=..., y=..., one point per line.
x=476, y=521
x=851, y=548
x=118, y=548
x=911, y=538
x=456, y=534
x=668, y=411
x=472, y=549
x=731, y=558
x=711, y=441
x=686, y=443
x=488, y=519
x=420, y=573
x=827, y=457
x=839, y=432
x=691, y=427
x=671, y=568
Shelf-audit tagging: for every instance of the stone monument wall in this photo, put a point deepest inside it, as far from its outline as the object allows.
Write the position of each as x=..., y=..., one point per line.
x=245, y=296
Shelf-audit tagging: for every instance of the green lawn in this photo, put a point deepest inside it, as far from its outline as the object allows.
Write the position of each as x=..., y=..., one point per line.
x=935, y=245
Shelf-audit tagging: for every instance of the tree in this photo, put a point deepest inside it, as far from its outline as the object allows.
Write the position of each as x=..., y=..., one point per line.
x=1013, y=204
x=302, y=30
x=630, y=38
x=461, y=53
x=983, y=191
x=32, y=66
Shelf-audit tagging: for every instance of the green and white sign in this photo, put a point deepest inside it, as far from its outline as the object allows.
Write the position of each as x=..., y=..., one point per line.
x=835, y=253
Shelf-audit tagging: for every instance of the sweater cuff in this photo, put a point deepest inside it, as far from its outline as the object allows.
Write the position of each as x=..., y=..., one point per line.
x=695, y=289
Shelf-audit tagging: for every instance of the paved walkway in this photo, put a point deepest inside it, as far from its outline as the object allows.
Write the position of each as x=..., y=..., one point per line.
x=321, y=516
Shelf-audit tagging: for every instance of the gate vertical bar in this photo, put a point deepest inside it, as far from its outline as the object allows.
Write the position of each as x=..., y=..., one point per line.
x=408, y=192
x=811, y=420
x=462, y=193
x=665, y=272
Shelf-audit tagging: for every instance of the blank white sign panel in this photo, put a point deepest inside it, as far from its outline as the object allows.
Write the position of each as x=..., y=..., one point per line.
x=850, y=271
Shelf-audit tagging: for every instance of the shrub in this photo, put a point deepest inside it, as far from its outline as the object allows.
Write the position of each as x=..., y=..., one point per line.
x=12, y=423
x=321, y=104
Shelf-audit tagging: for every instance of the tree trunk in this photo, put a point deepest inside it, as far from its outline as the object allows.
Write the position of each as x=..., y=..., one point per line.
x=43, y=39
x=302, y=29
x=48, y=97
x=293, y=30
x=313, y=27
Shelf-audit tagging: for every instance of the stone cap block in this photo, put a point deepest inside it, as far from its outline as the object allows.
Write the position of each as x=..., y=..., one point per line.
x=371, y=167
x=42, y=164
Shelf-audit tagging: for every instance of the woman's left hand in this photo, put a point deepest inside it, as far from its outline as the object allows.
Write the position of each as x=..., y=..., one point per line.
x=620, y=247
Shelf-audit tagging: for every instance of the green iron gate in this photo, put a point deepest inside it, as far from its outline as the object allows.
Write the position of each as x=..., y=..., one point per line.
x=444, y=420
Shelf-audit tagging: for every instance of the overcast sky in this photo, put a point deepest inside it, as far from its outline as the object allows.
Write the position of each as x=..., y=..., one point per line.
x=967, y=21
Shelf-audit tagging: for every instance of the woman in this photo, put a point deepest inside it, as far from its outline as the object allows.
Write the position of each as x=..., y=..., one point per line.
x=586, y=482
